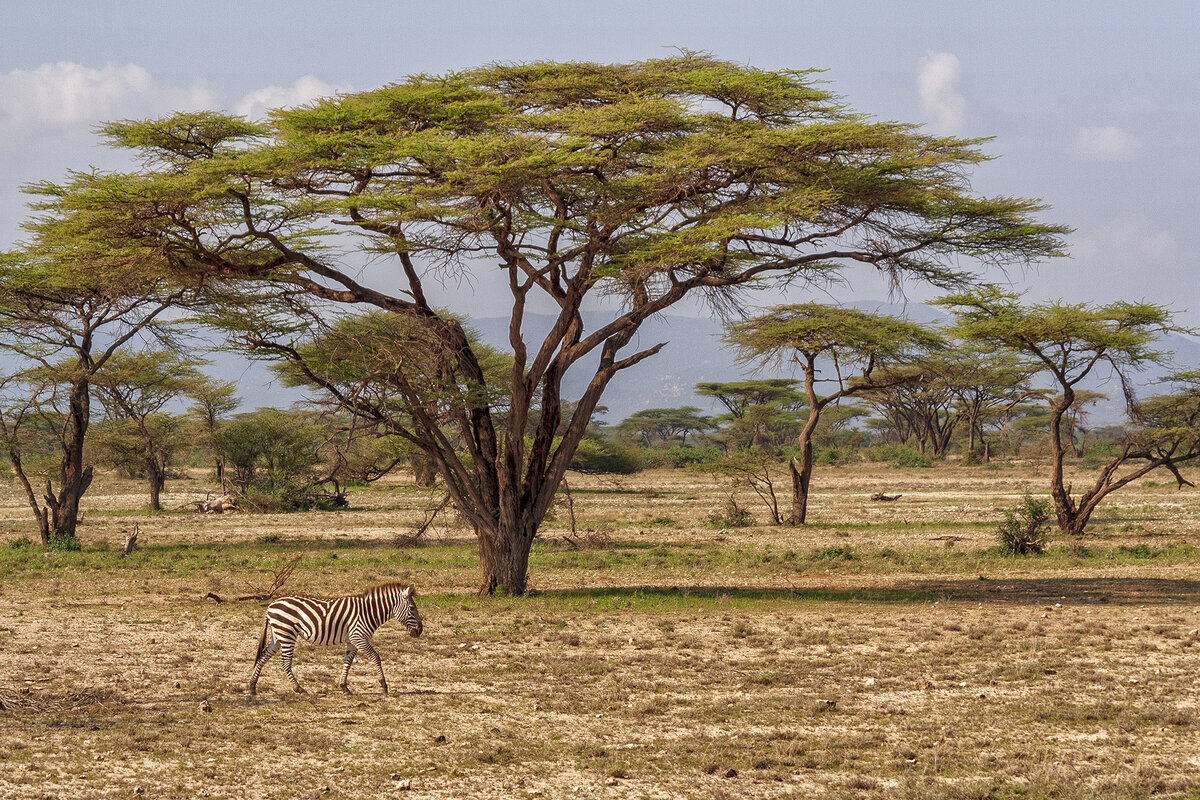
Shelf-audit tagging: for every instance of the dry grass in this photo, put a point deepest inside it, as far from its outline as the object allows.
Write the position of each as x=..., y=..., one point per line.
x=889, y=655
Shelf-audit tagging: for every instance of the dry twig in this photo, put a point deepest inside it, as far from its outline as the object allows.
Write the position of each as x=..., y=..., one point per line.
x=281, y=577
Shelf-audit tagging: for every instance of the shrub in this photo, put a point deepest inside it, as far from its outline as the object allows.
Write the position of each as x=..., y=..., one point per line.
x=603, y=456
x=731, y=516
x=905, y=455
x=898, y=455
x=1025, y=527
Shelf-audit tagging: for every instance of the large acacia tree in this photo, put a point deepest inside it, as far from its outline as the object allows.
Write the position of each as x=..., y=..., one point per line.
x=645, y=182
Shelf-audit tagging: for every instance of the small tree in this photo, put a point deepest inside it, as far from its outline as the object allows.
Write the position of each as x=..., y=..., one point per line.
x=69, y=303
x=212, y=401
x=134, y=388
x=857, y=344
x=1024, y=530
x=1069, y=343
x=652, y=425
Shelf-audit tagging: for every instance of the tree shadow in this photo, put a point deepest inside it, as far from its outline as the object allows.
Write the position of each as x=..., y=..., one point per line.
x=1001, y=592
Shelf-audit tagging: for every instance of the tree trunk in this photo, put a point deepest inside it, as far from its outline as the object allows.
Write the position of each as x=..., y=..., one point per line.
x=74, y=477
x=1060, y=492
x=504, y=558
x=802, y=477
x=157, y=476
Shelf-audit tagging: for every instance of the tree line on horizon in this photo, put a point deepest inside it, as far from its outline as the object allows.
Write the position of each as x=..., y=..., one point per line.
x=648, y=182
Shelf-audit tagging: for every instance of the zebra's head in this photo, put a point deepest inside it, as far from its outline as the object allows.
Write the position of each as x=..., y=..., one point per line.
x=405, y=611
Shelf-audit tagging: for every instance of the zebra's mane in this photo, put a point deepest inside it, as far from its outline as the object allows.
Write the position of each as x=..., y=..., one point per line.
x=412, y=590
x=364, y=593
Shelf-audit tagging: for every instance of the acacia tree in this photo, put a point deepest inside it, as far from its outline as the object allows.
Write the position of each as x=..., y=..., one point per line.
x=68, y=303
x=134, y=388
x=663, y=424
x=212, y=401
x=860, y=345
x=649, y=182
x=986, y=387
x=1069, y=343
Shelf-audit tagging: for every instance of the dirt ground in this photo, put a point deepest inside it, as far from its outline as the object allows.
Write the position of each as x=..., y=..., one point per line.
x=883, y=651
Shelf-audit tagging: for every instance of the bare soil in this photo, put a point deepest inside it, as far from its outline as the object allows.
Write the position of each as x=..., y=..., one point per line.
x=883, y=651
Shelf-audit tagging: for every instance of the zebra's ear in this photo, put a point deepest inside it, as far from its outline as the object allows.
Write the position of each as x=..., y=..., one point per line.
x=407, y=591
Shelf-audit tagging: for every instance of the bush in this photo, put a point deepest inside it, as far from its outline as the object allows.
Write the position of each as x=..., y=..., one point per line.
x=832, y=456
x=972, y=458
x=731, y=516
x=602, y=456
x=1025, y=528
x=898, y=455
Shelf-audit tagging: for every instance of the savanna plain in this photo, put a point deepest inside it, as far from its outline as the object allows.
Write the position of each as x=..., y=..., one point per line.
x=887, y=649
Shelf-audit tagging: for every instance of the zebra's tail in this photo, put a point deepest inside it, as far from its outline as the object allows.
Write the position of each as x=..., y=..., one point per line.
x=262, y=640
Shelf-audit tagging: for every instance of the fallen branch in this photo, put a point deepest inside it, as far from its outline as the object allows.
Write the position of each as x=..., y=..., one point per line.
x=420, y=529
x=886, y=498
x=281, y=577
x=130, y=540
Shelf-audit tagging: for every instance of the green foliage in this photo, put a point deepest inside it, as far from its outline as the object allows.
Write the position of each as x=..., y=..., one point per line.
x=65, y=544
x=1025, y=529
x=680, y=457
x=605, y=456
x=899, y=455
x=272, y=454
x=738, y=396
x=663, y=424
x=854, y=338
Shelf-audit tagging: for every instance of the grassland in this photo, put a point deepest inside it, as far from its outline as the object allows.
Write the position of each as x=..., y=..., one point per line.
x=885, y=650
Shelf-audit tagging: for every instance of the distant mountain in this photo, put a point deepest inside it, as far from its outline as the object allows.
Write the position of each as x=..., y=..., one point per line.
x=695, y=353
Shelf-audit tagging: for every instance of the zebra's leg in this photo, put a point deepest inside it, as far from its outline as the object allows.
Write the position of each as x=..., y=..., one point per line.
x=351, y=651
x=286, y=650
x=271, y=650
x=366, y=647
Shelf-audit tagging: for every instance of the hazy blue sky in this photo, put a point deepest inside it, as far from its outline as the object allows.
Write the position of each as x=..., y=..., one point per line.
x=1093, y=105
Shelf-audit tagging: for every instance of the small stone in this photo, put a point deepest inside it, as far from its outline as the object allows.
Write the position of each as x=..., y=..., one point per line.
x=869, y=682
x=610, y=781
x=1134, y=680
x=138, y=790
x=1194, y=632
x=440, y=738
x=827, y=705
x=404, y=785
x=206, y=706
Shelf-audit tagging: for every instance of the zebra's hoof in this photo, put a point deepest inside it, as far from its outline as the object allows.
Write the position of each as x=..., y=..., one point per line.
x=346, y=690
x=300, y=690
x=385, y=689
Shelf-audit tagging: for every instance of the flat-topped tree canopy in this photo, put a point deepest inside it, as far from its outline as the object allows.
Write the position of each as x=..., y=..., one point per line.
x=647, y=182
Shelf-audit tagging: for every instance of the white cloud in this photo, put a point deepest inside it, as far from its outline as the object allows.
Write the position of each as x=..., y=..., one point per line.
x=65, y=95
x=255, y=104
x=1109, y=143
x=942, y=103
x=1130, y=245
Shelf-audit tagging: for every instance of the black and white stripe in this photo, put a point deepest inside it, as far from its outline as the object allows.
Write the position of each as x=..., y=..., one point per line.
x=350, y=620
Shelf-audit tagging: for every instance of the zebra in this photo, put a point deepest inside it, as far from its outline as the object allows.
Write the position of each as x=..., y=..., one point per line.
x=349, y=620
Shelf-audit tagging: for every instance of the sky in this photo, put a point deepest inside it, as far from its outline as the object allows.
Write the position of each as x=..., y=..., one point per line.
x=1093, y=106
